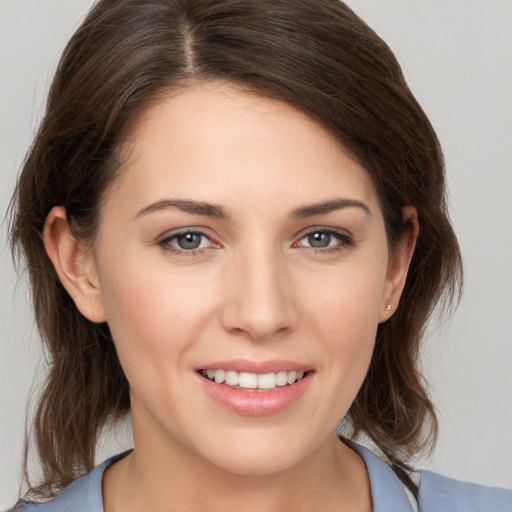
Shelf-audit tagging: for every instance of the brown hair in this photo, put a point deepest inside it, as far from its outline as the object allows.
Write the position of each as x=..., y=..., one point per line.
x=316, y=55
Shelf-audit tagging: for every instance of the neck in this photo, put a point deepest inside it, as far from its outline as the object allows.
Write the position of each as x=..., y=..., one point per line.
x=165, y=473
x=150, y=478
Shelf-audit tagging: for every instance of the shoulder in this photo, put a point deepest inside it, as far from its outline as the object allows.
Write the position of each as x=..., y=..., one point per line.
x=425, y=491
x=83, y=495
x=438, y=493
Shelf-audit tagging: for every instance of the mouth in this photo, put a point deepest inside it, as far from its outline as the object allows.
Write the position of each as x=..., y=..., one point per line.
x=255, y=388
x=253, y=382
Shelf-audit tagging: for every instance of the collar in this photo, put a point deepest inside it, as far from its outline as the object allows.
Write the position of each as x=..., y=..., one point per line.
x=387, y=492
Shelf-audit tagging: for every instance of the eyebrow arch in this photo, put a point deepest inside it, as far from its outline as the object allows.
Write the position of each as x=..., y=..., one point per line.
x=327, y=207
x=194, y=207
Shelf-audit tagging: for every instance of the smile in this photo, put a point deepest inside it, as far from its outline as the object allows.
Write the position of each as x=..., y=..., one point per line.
x=255, y=388
x=253, y=381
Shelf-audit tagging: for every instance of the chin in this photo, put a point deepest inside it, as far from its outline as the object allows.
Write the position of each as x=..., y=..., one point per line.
x=268, y=463
x=257, y=453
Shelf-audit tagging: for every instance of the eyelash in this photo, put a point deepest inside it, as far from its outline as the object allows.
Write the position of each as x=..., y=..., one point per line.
x=344, y=240
x=166, y=242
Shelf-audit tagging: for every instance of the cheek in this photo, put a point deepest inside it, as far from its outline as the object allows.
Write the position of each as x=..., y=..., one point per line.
x=344, y=311
x=156, y=313
x=145, y=313
x=153, y=327
x=347, y=299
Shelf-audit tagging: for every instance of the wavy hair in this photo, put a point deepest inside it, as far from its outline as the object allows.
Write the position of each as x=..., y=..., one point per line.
x=316, y=55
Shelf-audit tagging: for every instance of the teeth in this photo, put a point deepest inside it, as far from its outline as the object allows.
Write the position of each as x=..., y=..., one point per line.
x=282, y=378
x=291, y=377
x=220, y=376
x=267, y=381
x=248, y=380
x=232, y=378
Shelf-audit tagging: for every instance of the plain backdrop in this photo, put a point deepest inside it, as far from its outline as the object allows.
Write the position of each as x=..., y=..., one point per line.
x=457, y=57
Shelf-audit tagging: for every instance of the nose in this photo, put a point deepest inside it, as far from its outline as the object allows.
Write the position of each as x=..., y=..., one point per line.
x=259, y=302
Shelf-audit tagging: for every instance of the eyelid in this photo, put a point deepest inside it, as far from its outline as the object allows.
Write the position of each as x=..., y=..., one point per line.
x=165, y=240
x=345, y=238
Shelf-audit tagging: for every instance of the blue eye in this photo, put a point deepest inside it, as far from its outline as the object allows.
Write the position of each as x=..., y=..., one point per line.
x=325, y=239
x=186, y=241
x=189, y=241
x=320, y=239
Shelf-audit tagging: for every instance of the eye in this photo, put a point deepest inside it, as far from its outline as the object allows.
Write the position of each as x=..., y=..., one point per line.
x=319, y=239
x=186, y=241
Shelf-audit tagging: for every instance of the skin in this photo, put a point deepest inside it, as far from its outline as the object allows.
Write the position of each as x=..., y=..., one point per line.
x=255, y=289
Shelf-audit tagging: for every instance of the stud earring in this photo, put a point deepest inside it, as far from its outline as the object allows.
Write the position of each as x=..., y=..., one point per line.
x=388, y=307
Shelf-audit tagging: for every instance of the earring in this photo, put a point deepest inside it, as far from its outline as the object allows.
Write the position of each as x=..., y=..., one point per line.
x=388, y=307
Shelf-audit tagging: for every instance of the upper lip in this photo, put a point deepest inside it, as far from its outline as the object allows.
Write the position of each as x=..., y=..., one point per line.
x=260, y=367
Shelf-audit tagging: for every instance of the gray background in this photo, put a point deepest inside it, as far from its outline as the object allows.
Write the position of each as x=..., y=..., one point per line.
x=457, y=56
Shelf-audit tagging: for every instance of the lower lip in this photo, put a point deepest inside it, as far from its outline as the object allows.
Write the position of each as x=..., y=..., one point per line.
x=256, y=403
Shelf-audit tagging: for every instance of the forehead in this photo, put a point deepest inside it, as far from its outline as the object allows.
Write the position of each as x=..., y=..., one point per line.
x=213, y=141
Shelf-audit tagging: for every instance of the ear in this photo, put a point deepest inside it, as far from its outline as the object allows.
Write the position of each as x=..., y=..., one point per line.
x=74, y=265
x=398, y=264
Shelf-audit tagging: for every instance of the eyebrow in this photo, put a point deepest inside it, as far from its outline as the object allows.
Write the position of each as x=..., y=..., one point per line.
x=327, y=207
x=218, y=212
x=194, y=207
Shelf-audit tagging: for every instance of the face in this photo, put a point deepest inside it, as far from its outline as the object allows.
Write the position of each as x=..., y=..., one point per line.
x=242, y=266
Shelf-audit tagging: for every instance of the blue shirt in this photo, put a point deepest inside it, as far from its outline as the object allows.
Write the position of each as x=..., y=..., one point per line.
x=436, y=493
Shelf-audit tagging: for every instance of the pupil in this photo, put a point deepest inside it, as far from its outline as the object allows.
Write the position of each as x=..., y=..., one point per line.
x=319, y=239
x=189, y=241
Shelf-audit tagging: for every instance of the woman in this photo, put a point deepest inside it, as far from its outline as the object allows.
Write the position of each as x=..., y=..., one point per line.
x=234, y=220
